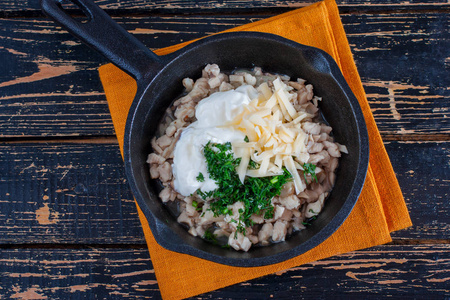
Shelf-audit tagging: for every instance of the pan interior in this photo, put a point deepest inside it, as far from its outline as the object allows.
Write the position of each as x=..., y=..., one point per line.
x=273, y=56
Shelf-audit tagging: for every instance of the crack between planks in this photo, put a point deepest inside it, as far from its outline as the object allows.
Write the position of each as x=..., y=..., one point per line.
x=415, y=137
x=72, y=246
x=419, y=242
x=95, y=139
x=257, y=11
x=144, y=246
x=111, y=139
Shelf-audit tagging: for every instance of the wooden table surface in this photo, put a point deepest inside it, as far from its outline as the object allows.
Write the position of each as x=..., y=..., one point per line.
x=68, y=223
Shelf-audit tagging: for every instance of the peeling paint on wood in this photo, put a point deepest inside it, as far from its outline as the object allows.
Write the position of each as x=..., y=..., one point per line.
x=45, y=71
x=31, y=293
x=46, y=217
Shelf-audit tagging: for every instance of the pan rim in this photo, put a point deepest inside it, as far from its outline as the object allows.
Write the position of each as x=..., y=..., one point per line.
x=159, y=228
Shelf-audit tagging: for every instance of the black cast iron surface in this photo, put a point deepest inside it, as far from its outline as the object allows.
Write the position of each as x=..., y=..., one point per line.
x=68, y=222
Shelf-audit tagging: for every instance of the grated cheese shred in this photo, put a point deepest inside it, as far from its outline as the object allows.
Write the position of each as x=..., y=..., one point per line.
x=276, y=138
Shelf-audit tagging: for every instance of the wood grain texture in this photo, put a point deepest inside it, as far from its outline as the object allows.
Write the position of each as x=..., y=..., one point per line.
x=406, y=96
x=70, y=193
x=83, y=274
x=17, y=7
x=49, y=84
x=77, y=193
x=389, y=271
x=423, y=172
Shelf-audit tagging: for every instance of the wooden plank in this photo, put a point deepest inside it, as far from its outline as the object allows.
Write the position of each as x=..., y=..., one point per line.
x=77, y=274
x=404, y=99
x=50, y=86
x=423, y=172
x=16, y=7
x=392, y=271
x=70, y=193
x=49, y=82
x=77, y=193
x=385, y=271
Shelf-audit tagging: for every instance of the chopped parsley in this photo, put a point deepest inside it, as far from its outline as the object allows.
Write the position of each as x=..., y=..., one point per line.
x=200, y=177
x=252, y=165
x=196, y=206
x=309, y=220
x=310, y=169
x=246, y=139
x=209, y=236
x=256, y=193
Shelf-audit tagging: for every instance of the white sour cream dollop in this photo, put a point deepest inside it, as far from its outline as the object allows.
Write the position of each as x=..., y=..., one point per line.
x=213, y=114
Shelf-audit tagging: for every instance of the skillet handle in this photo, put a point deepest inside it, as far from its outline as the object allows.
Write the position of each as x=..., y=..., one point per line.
x=107, y=37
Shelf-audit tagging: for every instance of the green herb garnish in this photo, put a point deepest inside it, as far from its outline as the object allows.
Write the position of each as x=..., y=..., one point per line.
x=309, y=169
x=200, y=177
x=255, y=193
x=246, y=139
x=252, y=165
x=209, y=236
x=309, y=220
x=194, y=203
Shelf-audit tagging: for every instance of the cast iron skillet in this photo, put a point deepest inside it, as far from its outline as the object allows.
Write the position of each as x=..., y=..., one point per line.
x=159, y=82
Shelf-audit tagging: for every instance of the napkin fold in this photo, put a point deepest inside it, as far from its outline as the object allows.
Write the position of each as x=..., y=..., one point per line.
x=379, y=210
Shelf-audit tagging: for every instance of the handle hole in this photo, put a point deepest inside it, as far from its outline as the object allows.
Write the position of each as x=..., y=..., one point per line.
x=75, y=11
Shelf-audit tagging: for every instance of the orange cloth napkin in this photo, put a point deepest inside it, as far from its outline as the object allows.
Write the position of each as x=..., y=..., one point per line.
x=380, y=209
